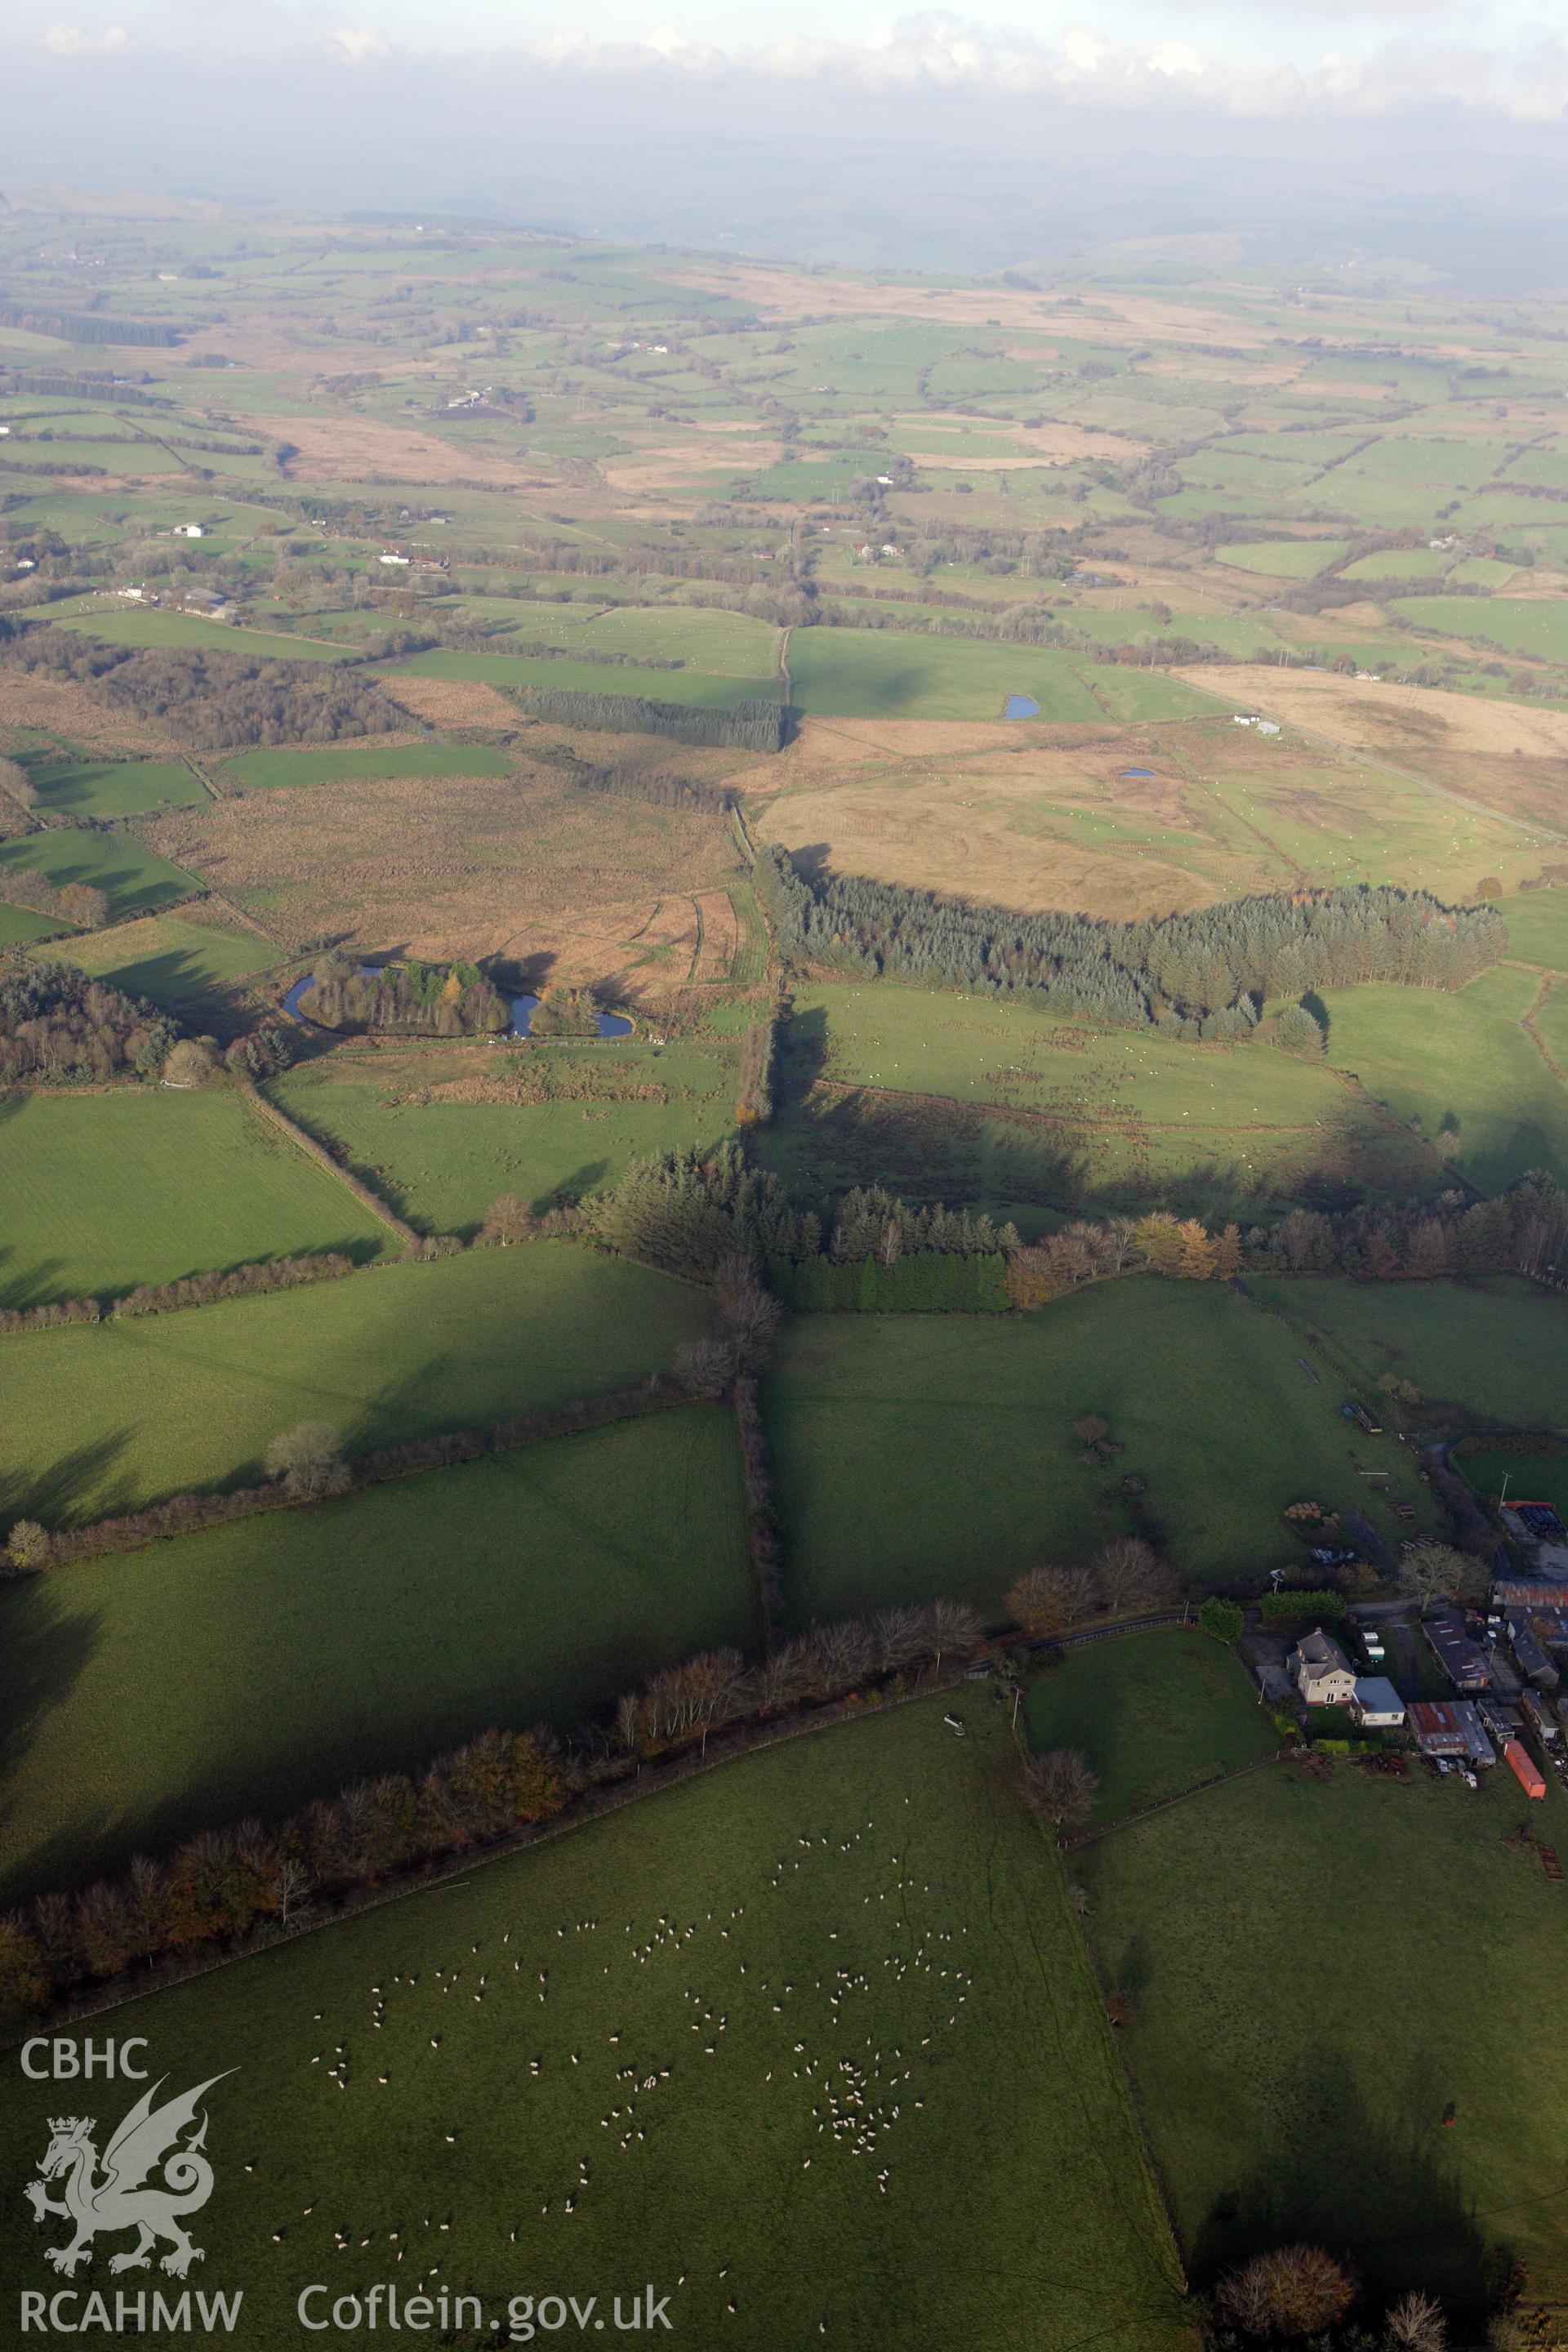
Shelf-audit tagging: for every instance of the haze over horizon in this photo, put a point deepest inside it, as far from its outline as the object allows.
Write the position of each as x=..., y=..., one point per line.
x=1318, y=134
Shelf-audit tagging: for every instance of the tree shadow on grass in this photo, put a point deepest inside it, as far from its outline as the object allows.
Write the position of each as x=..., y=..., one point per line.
x=43, y=1651
x=1375, y=2186
x=53, y=1495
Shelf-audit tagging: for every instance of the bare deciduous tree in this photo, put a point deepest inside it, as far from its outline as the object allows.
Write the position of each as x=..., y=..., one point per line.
x=308, y=1459
x=1435, y=1571
x=1294, y=2291
x=1046, y=1600
x=706, y=1367
x=1415, y=2323
x=1129, y=1574
x=1059, y=1784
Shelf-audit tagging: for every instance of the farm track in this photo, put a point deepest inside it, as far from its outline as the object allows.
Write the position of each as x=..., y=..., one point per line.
x=1548, y=981
x=1424, y=784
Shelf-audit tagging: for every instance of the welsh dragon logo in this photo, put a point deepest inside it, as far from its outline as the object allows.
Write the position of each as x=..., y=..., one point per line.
x=122, y=2197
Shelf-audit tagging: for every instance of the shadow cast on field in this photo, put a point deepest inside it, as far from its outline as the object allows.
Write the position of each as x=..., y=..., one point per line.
x=52, y=1495
x=44, y=1652
x=1374, y=2187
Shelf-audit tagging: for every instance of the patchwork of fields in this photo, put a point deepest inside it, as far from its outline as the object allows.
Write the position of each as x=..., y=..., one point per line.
x=1016, y=560
x=917, y=1456
x=280, y=1657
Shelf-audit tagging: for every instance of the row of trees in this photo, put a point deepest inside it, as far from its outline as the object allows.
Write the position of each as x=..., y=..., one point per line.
x=78, y=903
x=751, y=725
x=221, y=1884
x=1127, y=1578
x=209, y=696
x=190, y=1290
x=1522, y=1230
x=1213, y=966
x=685, y=1212
x=57, y=1024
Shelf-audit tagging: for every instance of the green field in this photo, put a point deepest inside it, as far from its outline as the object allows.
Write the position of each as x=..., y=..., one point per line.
x=123, y=625
x=1426, y=1054
x=1315, y=1966
x=698, y=689
x=177, y=963
x=133, y=879
x=915, y=1949
x=1525, y=625
x=350, y=763
x=892, y=673
x=1537, y=927
x=78, y=788
x=921, y=1455
x=142, y=1184
x=1283, y=559
x=441, y=1163
x=281, y=1657
x=1530, y=1478
x=1031, y=1114
x=1154, y=1713
x=20, y=927
x=121, y=1414
x=722, y=643
x=1480, y=1350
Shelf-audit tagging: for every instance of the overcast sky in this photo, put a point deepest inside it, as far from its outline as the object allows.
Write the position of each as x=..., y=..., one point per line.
x=1251, y=57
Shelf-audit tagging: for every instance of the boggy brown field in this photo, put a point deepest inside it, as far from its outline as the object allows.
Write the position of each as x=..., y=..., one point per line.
x=596, y=886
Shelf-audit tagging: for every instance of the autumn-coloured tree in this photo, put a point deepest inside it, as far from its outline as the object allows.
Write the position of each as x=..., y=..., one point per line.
x=1046, y=1600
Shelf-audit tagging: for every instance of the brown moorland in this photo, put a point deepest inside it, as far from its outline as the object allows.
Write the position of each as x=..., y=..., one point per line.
x=521, y=865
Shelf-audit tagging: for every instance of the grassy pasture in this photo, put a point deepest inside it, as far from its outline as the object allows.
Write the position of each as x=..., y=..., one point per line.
x=891, y=674
x=1154, y=1713
x=19, y=927
x=135, y=879
x=276, y=1658
x=174, y=962
x=124, y=625
x=78, y=788
x=335, y=763
x=137, y=1185
x=703, y=1904
x=1426, y=1054
x=1283, y=559
x=1294, y=2075
x=1525, y=625
x=701, y=689
x=1490, y=1350
x=1530, y=1478
x=442, y=1162
x=112, y=1415
x=1025, y=1112
x=918, y=1456
x=724, y=643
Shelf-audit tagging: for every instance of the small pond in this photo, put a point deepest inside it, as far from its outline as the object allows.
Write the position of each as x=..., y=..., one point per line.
x=610, y=1024
x=1020, y=706
x=1140, y=775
